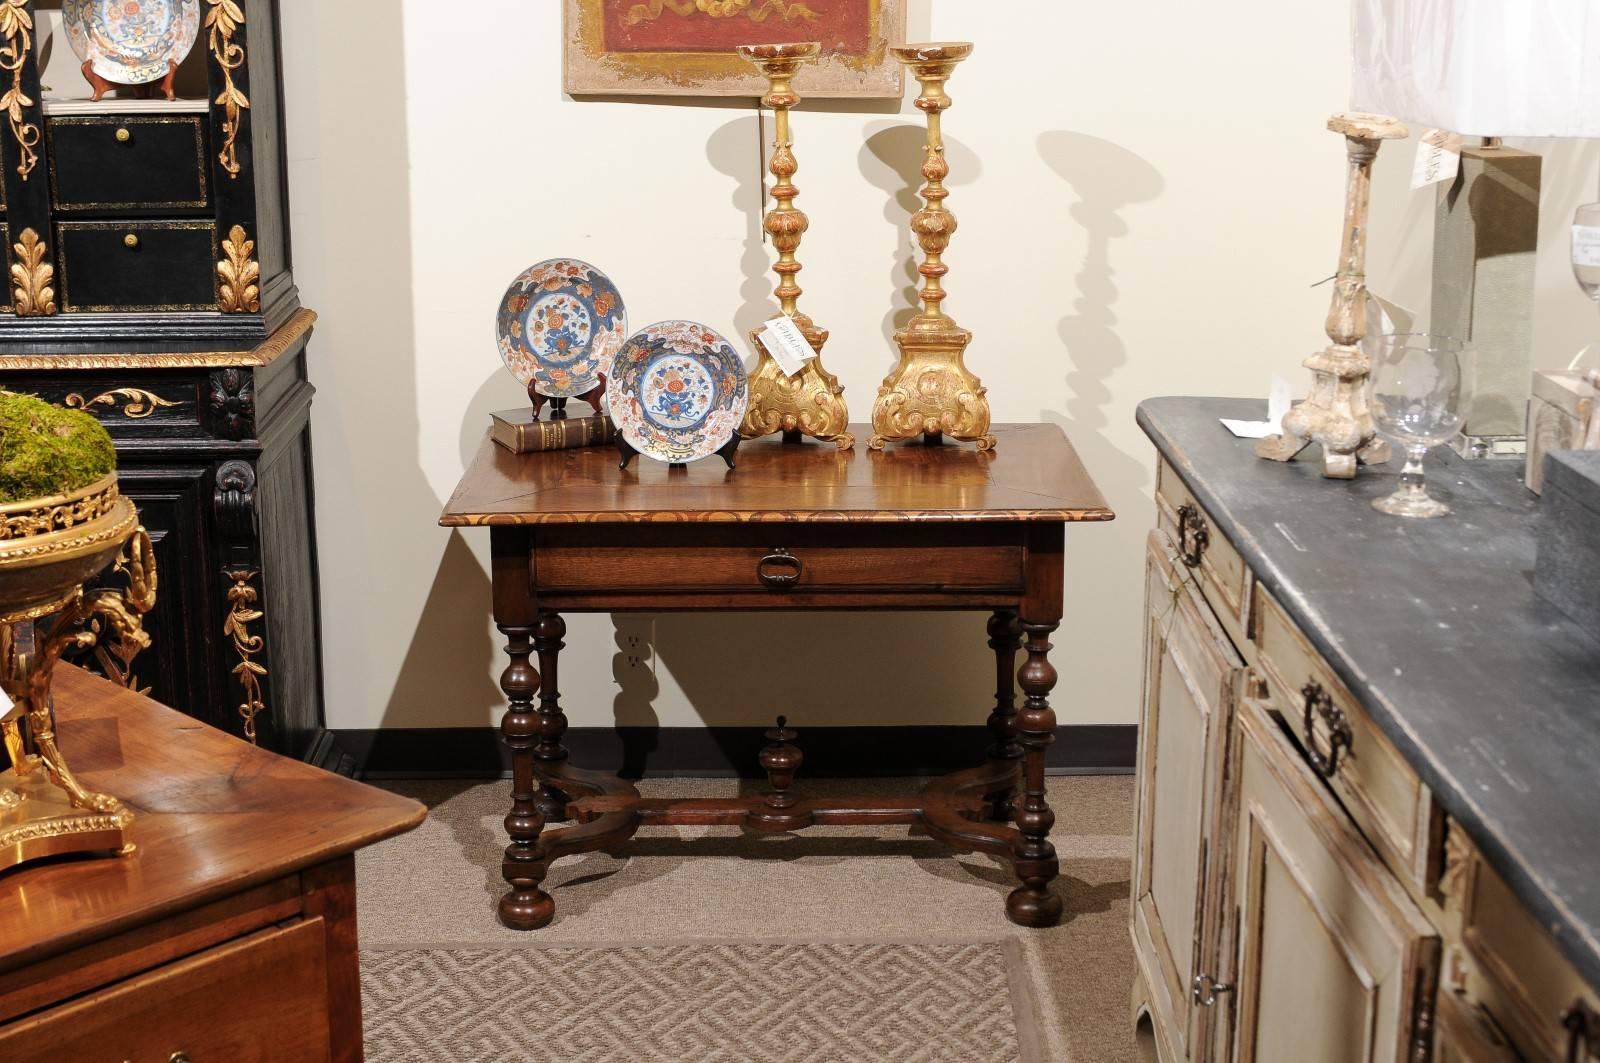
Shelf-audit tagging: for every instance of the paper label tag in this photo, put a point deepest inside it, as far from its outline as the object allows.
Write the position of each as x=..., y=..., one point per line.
x=787, y=344
x=5, y=704
x=1438, y=158
x=1586, y=245
x=1280, y=397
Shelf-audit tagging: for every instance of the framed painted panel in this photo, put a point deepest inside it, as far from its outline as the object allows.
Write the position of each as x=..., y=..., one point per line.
x=686, y=47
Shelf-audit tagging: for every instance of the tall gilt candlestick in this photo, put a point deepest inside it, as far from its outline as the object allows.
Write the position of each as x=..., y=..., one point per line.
x=930, y=392
x=1335, y=414
x=810, y=403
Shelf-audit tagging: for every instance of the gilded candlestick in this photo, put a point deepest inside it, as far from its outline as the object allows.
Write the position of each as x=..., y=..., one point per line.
x=931, y=392
x=1335, y=414
x=810, y=403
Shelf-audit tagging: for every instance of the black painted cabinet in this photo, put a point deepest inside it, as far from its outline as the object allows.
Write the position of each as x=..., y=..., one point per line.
x=149, y=282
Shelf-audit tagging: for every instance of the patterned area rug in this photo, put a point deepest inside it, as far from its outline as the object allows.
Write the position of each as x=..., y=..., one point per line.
x=711, y=1002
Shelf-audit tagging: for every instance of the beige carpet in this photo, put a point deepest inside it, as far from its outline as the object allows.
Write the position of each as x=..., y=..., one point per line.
x=847, y=885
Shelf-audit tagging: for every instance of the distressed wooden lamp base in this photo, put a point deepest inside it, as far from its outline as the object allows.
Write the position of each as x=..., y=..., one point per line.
x=1335, y=414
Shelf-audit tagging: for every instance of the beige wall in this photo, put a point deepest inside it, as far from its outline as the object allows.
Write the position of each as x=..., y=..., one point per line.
x=1146, y=194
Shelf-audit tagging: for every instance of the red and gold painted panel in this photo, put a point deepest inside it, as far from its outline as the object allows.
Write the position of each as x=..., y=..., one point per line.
x=686, y=47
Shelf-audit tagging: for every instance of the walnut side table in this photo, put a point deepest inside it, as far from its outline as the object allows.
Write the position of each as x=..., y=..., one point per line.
x=228, y=934
x=793, y=527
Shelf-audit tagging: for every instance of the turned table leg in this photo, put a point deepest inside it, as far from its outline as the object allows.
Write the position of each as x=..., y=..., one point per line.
x=548, y=752
x=1033, y=903
x=1005, y=638
x=526, y=906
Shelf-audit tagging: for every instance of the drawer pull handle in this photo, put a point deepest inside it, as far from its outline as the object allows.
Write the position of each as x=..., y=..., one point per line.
x=1206, y=990
x=779, y=569
x=123, y=136
x=1320, y=703
x=131, y=240
x=1193, y=535
x=1583, y=1032
x=178, y=1057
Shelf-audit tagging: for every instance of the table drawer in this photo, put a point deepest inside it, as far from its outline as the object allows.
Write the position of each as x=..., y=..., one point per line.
x=106, y=163
x=1381, y=791
x=782, y=561
x=263, y=997
x=1217, y=566
x=137, y=265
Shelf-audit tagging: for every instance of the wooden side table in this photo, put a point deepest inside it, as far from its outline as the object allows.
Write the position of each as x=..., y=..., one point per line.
x=230, y=933
x=793, y=527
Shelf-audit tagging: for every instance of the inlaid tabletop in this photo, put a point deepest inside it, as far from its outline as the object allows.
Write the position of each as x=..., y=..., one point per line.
x=1032, y=475
x=1491, y=694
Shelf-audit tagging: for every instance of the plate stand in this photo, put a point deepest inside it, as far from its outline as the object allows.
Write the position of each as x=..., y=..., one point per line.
x=727, y=452
x=558, y=406
x=142, y=92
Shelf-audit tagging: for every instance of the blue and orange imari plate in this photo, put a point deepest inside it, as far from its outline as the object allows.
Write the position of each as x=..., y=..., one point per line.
x=560, y=324
x=677, y=391
x=130, y=42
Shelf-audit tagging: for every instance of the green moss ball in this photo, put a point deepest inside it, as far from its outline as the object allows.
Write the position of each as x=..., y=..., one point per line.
x=46, y=450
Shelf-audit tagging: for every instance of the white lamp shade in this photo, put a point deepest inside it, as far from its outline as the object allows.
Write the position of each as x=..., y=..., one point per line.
x=1481, y=67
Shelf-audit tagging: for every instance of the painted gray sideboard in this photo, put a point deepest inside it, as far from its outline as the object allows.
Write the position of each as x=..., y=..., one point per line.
x=1369, y=779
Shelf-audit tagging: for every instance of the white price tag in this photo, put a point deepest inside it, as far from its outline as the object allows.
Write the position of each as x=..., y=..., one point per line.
x=1586, y=245
x=5, y=704
x=787, y=344
x=1438, y=158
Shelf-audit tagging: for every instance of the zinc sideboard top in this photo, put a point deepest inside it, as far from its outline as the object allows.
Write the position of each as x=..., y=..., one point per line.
x=1490, y=693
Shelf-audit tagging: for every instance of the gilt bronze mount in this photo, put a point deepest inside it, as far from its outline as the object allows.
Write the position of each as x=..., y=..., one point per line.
x=931, y=393
x=810, y=403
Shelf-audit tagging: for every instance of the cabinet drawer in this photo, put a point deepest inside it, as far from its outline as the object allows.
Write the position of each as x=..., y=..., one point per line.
x=1531, y=984
x=1464, y=1033
x=263, y=997
x=166, y=265
x=1381, y=791
x=781, y=562
x=1217, y=566
x=107, y=163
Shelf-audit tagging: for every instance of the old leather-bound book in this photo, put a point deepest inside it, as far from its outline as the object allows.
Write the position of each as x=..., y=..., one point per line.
x=520, y=432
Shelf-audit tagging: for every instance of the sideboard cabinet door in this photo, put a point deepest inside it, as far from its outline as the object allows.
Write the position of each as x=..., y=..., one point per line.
x=1333, y=961
x=1192, y=677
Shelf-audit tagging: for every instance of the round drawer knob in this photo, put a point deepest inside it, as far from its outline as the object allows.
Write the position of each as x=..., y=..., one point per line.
x=131, y=240
x=123, y=136
x=178, y=1057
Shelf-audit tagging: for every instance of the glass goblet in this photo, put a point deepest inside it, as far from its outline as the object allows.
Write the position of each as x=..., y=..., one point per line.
x=1420, y=388
x=1586, y=249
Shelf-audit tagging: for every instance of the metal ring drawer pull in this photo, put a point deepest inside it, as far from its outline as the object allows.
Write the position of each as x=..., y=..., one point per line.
x=1206, y=990
x=1320, y=703
x=1583, y=1032
x=779, y=569
x=1193, y=535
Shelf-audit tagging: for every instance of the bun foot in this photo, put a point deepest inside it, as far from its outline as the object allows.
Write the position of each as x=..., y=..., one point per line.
x=530, y=910
x=1036, y=908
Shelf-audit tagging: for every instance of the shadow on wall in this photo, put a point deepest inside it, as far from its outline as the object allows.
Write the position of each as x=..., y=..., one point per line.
x=1106, y=178
x=380, y=528
x=891, y=160
x=736, y=150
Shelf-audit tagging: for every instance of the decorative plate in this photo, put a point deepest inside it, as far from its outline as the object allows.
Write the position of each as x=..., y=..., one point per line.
x=678, y=391
x=129, y=42
x=560, y=324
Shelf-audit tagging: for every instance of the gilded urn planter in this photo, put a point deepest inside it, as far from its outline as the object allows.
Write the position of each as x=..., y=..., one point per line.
x=49, y=547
